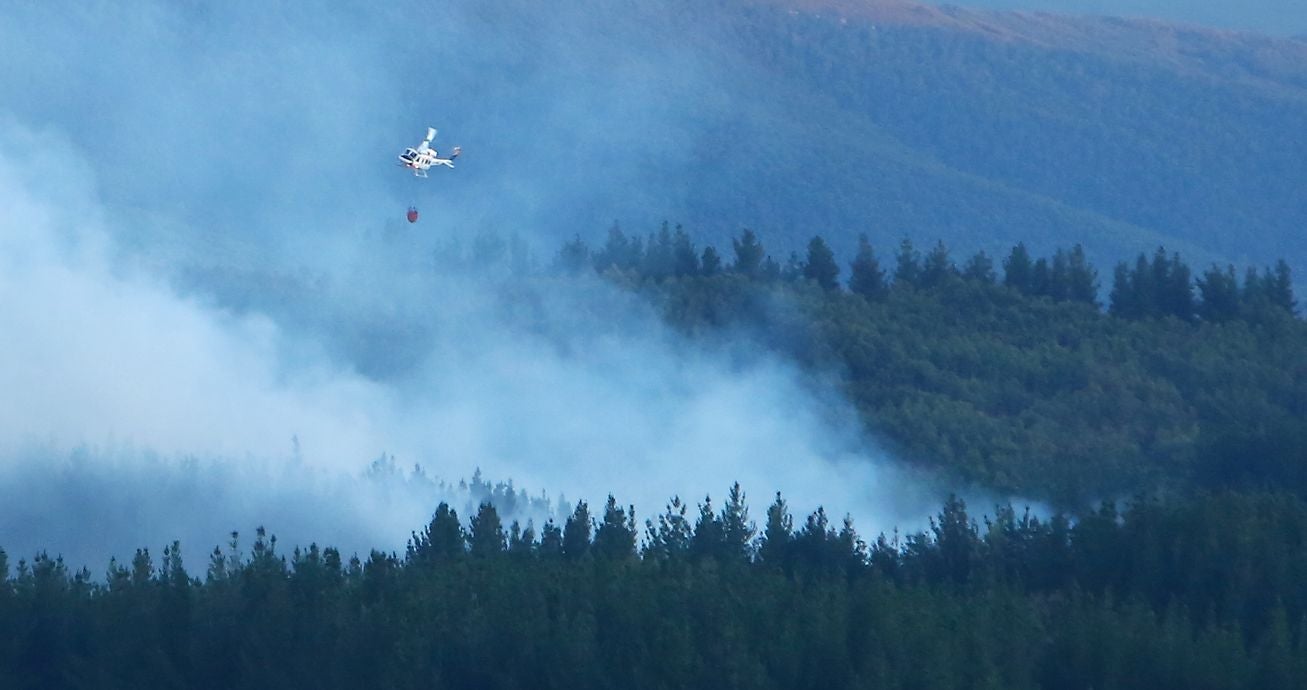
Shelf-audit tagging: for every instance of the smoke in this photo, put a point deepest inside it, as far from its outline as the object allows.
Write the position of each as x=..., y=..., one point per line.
x=211, y=316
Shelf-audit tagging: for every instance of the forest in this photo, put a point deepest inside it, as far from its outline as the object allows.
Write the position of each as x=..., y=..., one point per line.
x=1018, y=373
x=1164, y=414
x=1206, y=592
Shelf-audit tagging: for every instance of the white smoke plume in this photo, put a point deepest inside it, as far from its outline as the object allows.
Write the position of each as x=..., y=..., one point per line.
x=210, y=320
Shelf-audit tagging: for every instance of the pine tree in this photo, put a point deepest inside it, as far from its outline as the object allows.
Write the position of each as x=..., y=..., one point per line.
x=659, y=255
x=774, y=545
x=1121, y=301
x=670, y=538
x=820, y=265
x=866, y=277
x=573, y=257
x=749, y=254
x=737, y=530
x=442, y=538
x=1219, y=292
x=710, y=263
x=1082, y=278
x=1278, y=287
x=576, y=533
x=1018, y=269
x=938, y=267
x=957, y=540
x=980, y=269
x=1059, y=277
x=551, y=540
x=1040, y=278
x=615, y=538
x=708, y=539
x=485, y=536
x=1176, y=295
x=907, y=270
x=685, y=259
x=619, y=252
x=521, y=540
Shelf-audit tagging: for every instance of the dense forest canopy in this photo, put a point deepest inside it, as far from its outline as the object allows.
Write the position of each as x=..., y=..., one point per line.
x=1020, y=373
x=1207, y=592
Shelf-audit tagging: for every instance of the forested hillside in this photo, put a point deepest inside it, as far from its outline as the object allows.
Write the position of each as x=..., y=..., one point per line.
x=1008, y=372
x=1184, y=388
x=979, y=128
x=1204, y=593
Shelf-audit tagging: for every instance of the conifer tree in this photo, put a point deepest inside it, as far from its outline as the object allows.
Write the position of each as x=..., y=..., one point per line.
x=669, y=539
x=1082, y=279
x=737, y=529
x=615, y=538
x=442, y=538
x=937, y=268
x=980, y=269
x=1040, y=279
x=551, y=540
x=521, y=540
x=1278, y=287
x=774, y=544
x=708, y=540
x=576, y=533
x=1219, y=295
x=866, y=277
x=907, y=269
x=1018, y=269
x=573, y=257
x=1059, y=277
x=618, y=252
x=685, y=259
x=749, y=254
x=820, y=265
x=485, y=536
x=710, y=263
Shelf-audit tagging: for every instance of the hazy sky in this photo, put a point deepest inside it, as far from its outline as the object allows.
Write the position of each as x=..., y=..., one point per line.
x=1280, y=17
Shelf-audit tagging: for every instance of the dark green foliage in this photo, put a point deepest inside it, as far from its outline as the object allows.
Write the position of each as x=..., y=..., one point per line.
x=820, y=266
x=865, y=275
x=1204, y=591
x=907, y=267
x=979, y=268
x=576, y=533
x=1027, y=386
x=1219, y=295
x=615, y=538
x=485, y=536
x=749, y=254
x=937, y=268
x=1018, y=270
x=669, y=539
x=442, y=539
x=710, y=263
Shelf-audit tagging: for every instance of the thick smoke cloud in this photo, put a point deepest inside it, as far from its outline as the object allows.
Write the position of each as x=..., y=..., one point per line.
x=210, y=317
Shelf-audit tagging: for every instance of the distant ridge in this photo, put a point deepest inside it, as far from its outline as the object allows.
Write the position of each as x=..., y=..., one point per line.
x=1223, y=54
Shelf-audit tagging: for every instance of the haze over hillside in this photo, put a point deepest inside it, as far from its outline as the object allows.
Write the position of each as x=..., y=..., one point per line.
x=209, y=200
x=1280, y=17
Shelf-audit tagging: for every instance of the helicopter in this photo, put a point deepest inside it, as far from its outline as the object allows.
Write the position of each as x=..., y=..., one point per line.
x=422, y=158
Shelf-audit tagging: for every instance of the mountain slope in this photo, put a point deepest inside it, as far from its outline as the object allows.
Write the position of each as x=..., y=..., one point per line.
x=1188, y=137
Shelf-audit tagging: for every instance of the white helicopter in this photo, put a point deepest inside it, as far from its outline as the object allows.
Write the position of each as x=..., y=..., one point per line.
x=420, y=159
